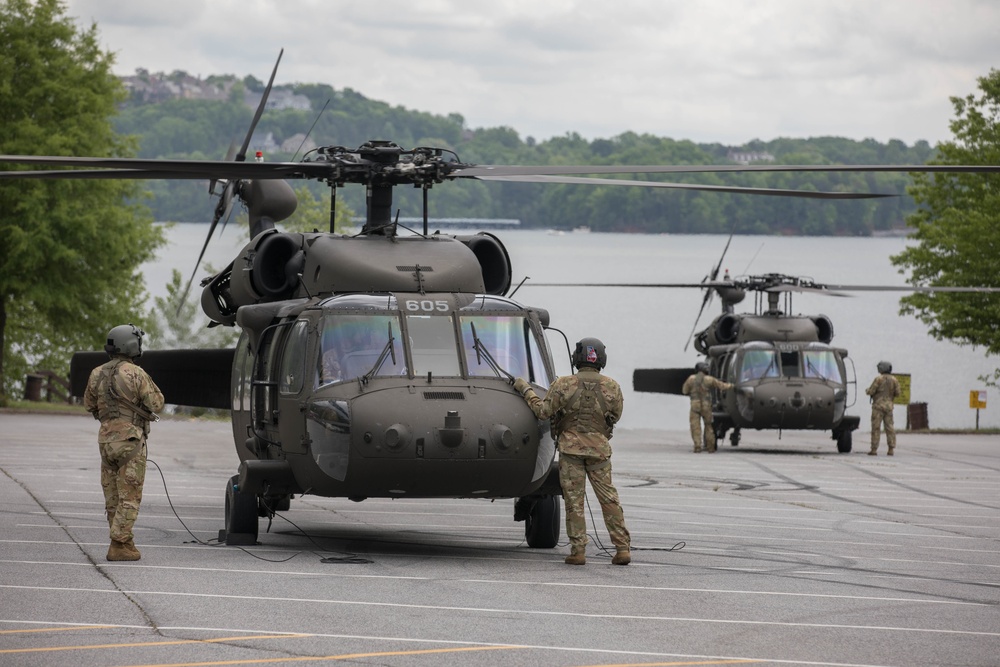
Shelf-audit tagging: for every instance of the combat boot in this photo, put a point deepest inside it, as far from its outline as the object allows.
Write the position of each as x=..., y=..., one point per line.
x=697, y=449
x=576, y=558
x=622, y=557
x=889, y=453
x=873, y=452
x=122, y=551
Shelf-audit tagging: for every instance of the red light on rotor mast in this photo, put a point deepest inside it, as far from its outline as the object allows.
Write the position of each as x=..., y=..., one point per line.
x=259, y=156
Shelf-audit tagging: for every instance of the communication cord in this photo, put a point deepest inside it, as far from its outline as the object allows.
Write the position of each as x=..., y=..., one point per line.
x=216, y=543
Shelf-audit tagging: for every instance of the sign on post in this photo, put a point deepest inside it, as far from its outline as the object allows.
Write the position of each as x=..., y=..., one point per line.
x=904, y=389
x=977, y=399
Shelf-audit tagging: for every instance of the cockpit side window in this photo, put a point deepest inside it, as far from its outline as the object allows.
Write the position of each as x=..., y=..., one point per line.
x=293, y=360
x=351, y=346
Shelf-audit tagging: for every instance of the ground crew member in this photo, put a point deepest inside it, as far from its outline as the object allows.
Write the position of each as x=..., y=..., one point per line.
x=698, y=387
x=584, y=409
x=124, y=398
x=883, y=391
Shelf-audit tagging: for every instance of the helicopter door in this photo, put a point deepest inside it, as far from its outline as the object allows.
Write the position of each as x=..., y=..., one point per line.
x=291, y=381
x=263, y=389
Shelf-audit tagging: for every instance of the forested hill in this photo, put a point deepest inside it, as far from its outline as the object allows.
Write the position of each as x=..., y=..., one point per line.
x=170, y=126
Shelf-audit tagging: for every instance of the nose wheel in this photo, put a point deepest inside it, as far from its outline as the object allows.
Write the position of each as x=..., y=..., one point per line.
x=541, y=520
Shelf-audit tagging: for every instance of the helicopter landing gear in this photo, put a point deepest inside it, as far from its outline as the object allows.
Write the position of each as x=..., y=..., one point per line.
x=241, y=515
x=844, y=441
x=541, y=524
x=734, y=437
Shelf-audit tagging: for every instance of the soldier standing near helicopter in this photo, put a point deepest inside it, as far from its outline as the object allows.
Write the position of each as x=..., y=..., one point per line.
x=883, y=391
x=584, y=409
x=698, y=387
x=124, y=398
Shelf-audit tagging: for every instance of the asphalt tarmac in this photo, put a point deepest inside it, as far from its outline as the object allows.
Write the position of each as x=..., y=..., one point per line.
x=776, y=552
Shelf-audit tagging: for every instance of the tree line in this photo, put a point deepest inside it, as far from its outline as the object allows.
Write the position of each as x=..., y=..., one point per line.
x=202, y=129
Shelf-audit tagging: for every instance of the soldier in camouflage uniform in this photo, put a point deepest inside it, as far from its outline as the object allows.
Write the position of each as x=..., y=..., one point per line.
x=124, y=398
x=584, y=409
x=883, y=391
x=698, y=387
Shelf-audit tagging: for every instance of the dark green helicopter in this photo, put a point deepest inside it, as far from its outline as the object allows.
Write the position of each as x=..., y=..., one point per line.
x=785, y=373
x=375, y=364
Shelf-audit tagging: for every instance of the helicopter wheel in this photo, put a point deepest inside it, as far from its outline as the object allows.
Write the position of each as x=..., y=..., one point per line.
x=241, y=514
x=734, y=437
x=541, y=528
x=844, y=442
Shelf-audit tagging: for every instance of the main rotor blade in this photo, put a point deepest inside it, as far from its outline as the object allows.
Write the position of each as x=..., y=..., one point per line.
x=704, y=303
x=483, y=170
x=715, y=272
x=831, y=290
x=241, y=156
x=586, y=180
x=140, y=168
x=913, y=288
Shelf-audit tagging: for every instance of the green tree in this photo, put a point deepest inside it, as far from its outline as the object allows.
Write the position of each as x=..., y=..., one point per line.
x=958, y=229
x=313, y=213
x=70, y=249
x=175, y=325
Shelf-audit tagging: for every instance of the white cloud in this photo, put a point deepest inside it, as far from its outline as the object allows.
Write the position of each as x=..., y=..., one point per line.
x=710, y=70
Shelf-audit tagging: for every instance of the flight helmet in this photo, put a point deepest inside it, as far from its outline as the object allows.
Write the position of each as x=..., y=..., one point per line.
x=125, y=339
x=884, y=367
x=590, y=352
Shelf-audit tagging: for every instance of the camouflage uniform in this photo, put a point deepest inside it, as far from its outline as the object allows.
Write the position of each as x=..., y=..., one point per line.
x=883, y=390
x=117, y=394
x=584, y=409
x=698, y=387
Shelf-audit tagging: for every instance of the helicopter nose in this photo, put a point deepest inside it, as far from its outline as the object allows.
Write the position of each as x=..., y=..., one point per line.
x=452, y=434
x=797, y=401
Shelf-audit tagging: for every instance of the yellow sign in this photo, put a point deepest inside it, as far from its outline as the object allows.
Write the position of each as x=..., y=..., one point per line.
x=977, y=399
x=904, y=389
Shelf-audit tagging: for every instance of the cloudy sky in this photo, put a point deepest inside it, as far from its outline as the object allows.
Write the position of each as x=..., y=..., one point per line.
x=707, y=70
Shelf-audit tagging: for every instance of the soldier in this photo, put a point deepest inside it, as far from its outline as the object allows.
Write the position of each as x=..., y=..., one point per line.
x=698, y=387
x=124, y=398
x=584, y=409
x=883, y=391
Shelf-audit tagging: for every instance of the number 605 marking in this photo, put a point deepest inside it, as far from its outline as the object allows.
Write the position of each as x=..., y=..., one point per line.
x=427, y=306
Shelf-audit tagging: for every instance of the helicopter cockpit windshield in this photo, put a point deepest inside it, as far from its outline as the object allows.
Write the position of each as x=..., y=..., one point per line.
x=352, y=345
x=821, y=362
x=508, y=341
x=494, y=339
x=759, y=361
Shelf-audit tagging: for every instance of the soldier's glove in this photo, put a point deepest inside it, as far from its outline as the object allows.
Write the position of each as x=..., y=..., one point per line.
x=520, y=386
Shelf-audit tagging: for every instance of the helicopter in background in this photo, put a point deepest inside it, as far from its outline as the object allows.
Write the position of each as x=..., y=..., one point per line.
x=785, y=373
x=377, y=364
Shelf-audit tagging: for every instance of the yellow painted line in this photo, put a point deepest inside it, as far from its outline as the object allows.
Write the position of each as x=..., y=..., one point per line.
x=59, y=629
x=163, y=643
x=346, y=656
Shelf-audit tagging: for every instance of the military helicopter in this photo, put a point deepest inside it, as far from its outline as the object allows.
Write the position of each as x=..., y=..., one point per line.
x=785, y=373
x=377, y=364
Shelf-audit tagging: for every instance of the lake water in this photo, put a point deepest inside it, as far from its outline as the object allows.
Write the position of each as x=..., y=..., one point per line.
x=648, y=328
